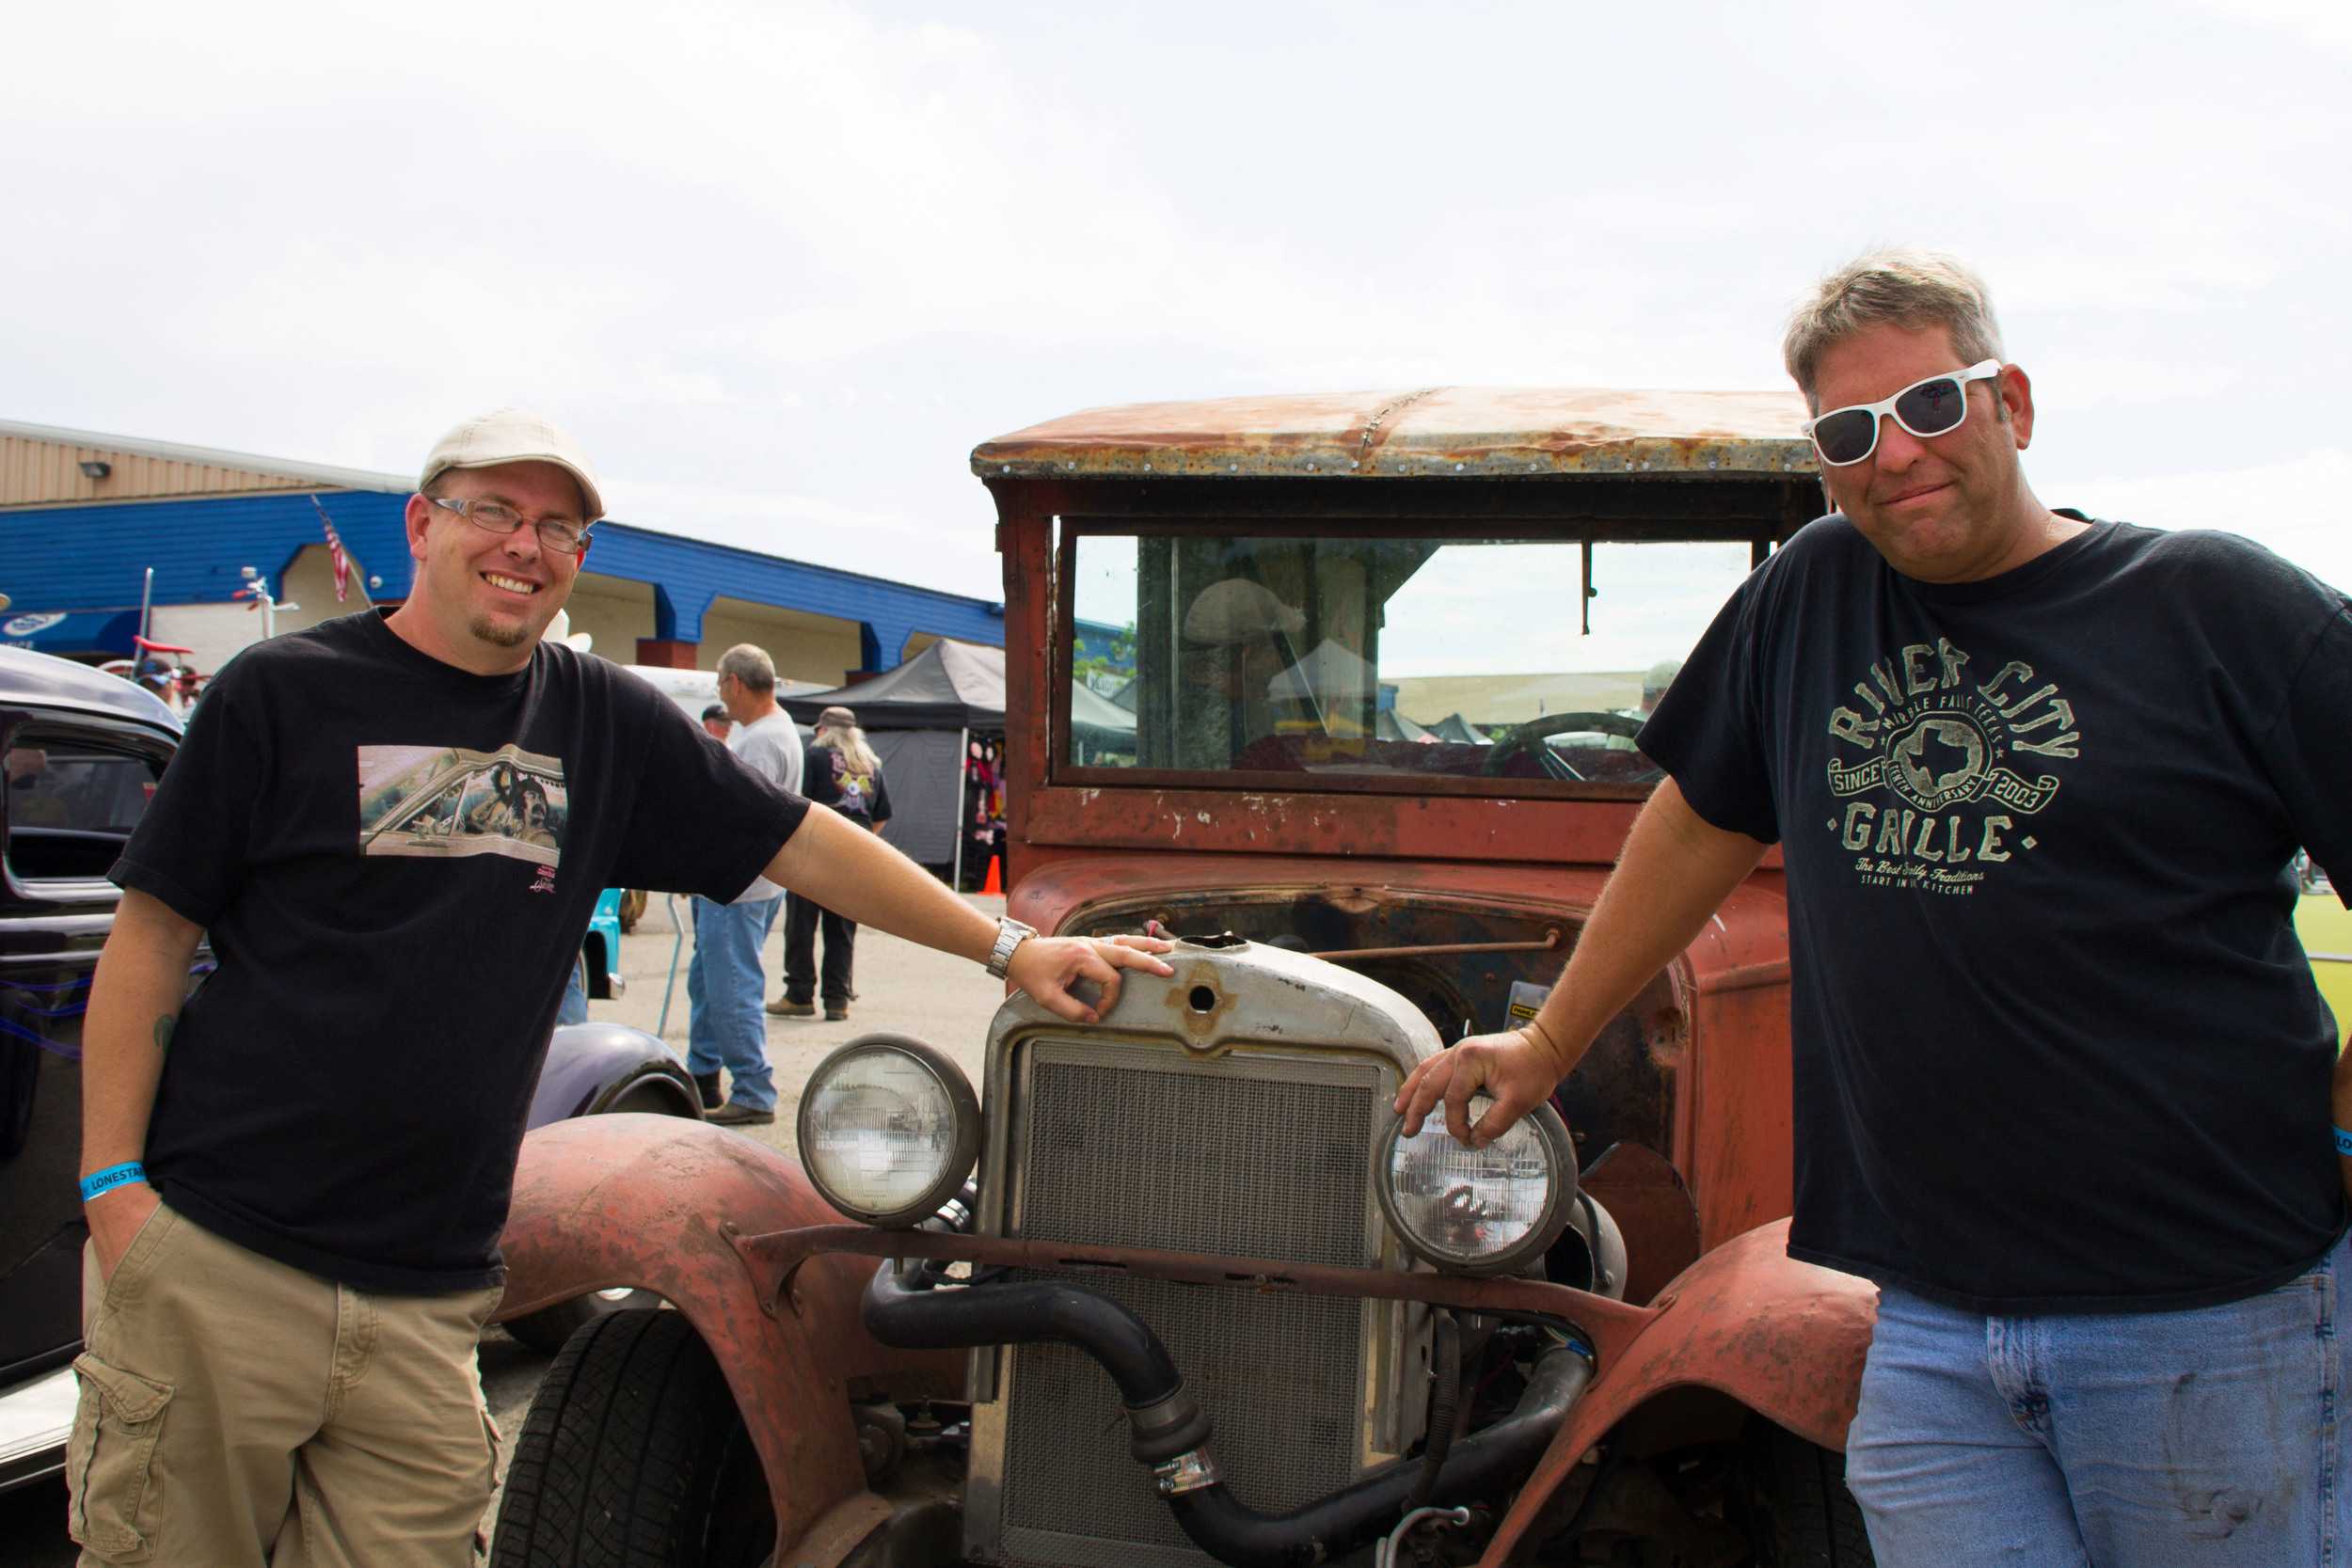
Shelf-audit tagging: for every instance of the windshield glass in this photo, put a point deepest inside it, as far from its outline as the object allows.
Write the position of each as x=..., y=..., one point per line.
x=1417, y=658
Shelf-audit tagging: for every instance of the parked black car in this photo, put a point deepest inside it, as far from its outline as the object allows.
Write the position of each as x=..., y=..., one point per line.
x=82, y=752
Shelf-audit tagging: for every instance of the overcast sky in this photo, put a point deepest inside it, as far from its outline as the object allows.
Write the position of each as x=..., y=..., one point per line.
x=781, y=266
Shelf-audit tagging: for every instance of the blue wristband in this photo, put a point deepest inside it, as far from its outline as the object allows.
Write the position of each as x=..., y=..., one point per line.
x=112, y=1177
x=2343, y=1142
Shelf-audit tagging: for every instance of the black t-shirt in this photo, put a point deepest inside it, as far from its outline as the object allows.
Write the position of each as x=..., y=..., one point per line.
x=2057, y=1047
x=832, y=778
x=396, y=861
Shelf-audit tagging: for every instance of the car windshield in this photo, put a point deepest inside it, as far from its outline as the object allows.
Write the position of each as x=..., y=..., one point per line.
x=1371, y=657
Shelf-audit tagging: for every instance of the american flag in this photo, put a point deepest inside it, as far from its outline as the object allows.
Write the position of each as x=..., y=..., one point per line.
x=335, y=553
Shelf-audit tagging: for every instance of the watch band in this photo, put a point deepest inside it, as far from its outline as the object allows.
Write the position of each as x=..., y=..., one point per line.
x=1010, y=934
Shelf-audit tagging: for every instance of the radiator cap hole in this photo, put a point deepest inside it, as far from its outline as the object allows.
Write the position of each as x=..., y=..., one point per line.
x=1203, y=999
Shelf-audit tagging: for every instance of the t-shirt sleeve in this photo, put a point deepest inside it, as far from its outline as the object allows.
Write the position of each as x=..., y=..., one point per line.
x=881, y=799
x=793, y=749
x=2308, y=751
x=1707, y=731
x=702, y=821
x=192, y=846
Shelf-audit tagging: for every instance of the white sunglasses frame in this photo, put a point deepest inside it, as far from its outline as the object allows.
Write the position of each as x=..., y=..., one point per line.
x=1983, y=370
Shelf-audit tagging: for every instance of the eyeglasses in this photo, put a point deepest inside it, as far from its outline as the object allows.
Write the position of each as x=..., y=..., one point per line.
x=1935, y=407
x=559, y=534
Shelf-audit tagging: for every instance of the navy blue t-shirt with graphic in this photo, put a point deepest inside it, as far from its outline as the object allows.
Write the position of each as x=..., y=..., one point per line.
x=396, y=860
x=2057, y=1047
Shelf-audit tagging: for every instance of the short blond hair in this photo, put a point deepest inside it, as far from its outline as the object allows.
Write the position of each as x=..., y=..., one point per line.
x=1915, y=289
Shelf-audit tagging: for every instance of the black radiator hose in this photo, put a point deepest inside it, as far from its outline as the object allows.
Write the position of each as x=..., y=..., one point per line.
x=1165, y=1420
x=1171, y=1433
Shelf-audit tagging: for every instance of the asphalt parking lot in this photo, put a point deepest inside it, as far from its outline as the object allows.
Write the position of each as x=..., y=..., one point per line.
x=902, y=988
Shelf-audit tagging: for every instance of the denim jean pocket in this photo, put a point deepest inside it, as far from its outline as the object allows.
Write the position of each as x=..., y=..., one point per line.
x=110, y=1460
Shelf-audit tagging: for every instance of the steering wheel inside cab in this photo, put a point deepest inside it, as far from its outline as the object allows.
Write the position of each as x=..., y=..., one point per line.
x=1529, y=739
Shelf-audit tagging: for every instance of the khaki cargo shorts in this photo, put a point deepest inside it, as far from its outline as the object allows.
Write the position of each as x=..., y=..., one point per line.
x=237, y=1412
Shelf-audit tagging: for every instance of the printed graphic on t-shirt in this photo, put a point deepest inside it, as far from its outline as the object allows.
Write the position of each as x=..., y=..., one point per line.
x=447, y=800
x=1941, y=773
x=854, y=790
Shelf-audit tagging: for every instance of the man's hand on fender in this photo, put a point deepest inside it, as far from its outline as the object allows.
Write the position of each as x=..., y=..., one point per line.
x=1047, y=967
x=1515, y=1068
x=115, y=1218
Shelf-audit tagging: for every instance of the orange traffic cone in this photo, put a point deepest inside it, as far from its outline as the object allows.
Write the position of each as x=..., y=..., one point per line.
x=995, y=883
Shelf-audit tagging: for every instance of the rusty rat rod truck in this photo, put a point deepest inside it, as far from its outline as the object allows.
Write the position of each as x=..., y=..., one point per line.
x=1344, y=692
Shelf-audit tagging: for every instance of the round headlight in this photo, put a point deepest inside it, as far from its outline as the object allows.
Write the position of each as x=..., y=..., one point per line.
x=889, y=1128
x=1478, y=1211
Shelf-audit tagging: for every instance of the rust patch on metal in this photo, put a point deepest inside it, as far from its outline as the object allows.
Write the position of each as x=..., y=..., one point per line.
x=1473, y=431
x=659, y=1202
x=1645, y=1197
x=1783, y=1338
x=1611, y=1325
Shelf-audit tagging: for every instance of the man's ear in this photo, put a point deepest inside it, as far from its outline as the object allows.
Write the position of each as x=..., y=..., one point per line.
x=2016, y=391
x=417, y=517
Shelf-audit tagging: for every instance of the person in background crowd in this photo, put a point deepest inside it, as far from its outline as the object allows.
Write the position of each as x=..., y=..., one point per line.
x=296, y=1178
x=843, y=773
x=2063, y=1078
x=716, y=723
x=724, y=984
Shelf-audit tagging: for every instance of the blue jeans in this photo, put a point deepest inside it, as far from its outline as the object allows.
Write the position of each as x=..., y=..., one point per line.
x=2126, y=1440
x=723, y=988
x=574, y=1007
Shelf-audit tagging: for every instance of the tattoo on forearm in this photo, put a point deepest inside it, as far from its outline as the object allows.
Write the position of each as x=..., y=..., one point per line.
x=163, y=1032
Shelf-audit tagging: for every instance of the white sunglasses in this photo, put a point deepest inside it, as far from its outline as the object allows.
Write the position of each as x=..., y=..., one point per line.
x=1935, y=407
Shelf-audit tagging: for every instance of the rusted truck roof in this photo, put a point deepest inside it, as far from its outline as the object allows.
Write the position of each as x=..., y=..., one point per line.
x=1490, y=431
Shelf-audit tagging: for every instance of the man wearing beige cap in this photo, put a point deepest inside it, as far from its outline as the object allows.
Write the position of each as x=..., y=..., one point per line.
x=393, y=829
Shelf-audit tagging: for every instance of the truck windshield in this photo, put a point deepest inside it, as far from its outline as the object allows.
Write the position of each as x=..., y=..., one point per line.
x=1410, y=658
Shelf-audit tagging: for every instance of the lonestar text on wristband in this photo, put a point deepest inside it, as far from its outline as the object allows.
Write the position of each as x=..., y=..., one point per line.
x=112, y=1177
x=2343, y=1142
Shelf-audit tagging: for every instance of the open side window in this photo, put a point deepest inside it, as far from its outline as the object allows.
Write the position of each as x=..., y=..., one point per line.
x=72, y=797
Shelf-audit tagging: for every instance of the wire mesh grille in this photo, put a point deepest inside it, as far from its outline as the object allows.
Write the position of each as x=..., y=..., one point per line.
x=1199, y=1160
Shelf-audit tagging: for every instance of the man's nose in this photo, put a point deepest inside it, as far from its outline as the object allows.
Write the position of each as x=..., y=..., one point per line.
x=1898, y=448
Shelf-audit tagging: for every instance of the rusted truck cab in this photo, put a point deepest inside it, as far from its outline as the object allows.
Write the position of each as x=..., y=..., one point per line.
x=1345, y=693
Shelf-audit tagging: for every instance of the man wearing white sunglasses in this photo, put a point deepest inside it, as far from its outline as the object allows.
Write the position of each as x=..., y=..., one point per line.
x=2064, y=1083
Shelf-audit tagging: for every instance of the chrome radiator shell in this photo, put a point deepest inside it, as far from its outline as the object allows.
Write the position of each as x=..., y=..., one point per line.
x=1234, y=1109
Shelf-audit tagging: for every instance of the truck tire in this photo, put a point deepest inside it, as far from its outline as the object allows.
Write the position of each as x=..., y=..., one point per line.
x=550, y=1328
x=1802, y=1514
x=634, y=1456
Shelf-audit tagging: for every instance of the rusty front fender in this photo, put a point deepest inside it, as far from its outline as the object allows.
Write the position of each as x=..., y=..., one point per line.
x=1785, y=1339
x=657, y=1202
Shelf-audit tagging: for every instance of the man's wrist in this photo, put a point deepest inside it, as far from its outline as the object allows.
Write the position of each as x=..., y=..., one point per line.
x=1544, y=1040
x=1010, y=934
x=98, y=1183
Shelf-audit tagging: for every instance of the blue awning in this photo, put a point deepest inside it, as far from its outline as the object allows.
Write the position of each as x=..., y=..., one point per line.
x=73, y=631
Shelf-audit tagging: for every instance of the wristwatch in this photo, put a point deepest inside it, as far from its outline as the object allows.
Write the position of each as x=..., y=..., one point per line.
x=1010, y=934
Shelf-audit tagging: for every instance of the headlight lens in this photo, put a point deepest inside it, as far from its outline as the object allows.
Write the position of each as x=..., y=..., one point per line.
x=1478, y=1211
x=889, y=1127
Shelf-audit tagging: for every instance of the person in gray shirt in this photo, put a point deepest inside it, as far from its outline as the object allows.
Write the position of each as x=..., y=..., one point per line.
x=724, y=984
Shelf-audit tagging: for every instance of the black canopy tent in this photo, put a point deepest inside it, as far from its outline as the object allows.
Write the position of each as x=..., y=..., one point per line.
x=920, y=720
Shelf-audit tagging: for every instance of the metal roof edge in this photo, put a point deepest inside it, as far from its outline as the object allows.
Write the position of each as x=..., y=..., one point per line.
x=220, y=457
x=993, y=606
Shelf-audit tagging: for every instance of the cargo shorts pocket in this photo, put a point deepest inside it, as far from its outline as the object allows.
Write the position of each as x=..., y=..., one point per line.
x=117, y=1423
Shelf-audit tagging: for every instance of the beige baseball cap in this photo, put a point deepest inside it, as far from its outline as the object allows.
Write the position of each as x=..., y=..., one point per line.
x=514, y=435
